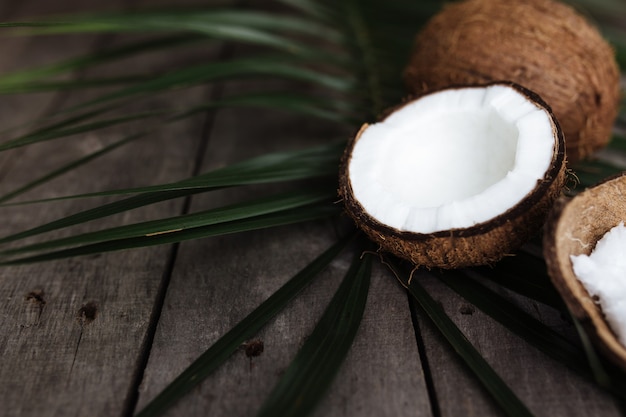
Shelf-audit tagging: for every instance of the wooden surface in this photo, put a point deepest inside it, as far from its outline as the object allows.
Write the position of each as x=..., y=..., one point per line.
x=102, y=335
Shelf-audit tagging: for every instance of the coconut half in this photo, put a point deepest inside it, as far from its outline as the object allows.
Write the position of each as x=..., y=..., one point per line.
x=573, y=228
x=457, y=177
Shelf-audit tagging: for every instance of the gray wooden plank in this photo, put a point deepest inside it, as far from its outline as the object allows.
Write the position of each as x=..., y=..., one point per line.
x=72, y=332
x=544, y=385
x=216, y=282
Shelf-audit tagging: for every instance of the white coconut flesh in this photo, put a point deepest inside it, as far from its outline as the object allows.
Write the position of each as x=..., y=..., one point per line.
x=452, y=159
x=603, y=274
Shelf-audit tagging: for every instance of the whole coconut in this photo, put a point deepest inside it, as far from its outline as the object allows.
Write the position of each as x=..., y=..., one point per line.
x=544, y=45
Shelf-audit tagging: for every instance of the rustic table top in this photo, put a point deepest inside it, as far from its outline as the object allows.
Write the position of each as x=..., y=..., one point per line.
x=102, y=335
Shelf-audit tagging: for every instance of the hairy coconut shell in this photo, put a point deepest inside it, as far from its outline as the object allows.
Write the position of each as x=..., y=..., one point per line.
x=543, y=45
x=482, y=244
x=573, y=228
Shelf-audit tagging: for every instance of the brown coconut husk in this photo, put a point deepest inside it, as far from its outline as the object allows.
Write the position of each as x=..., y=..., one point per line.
x=482, y=244
x=544, y=45
x=573, y=228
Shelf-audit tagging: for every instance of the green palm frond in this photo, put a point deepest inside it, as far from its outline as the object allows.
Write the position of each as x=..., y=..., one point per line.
x=343, y=62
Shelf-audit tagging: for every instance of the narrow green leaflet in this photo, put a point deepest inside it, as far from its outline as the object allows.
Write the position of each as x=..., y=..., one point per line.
x=203, y=21
x=54, y=125
x=69, y=167
x=73, y=84
x=605, y=374
x=49, y=134
x=267, y=66
x=313, y=369
x=599, y=373
x=280, y=218
x=498, y=389
x=247, y=328
x=252, y=27
x=320, y=107
x=24, y=78
x=239, y=211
